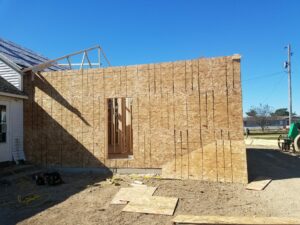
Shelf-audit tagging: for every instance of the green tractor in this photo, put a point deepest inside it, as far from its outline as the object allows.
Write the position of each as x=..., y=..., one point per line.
x=291, y=140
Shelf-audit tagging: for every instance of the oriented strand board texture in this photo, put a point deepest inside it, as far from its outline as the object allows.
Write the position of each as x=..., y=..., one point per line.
x=152, y=205
x=206, y=220
x=125, y=195
x=186, y=118
x=259, y=184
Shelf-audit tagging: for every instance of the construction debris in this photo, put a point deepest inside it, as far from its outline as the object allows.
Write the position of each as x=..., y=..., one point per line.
x=52, y=178
x=28, y=198
x=139, y=198
x=152, y=205
x=114, y=181
x=138, y=183
x=258, y=184
x=126, y=195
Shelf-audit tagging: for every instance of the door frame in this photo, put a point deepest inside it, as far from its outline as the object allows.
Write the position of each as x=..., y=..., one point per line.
x=8, y=156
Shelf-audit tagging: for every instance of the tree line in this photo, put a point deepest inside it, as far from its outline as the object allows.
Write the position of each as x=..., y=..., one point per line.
x=262, y=114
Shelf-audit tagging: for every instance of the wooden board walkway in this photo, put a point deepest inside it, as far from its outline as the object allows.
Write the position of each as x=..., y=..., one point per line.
x=126, y=195
x=258, y=184
x=190, y=219
x=152, y=205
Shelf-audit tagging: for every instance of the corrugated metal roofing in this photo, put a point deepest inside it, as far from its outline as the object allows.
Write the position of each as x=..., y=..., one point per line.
x=7, y=87
x=23, y=57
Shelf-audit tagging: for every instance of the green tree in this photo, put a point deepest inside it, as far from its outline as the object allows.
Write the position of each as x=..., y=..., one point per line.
x=281, y=112
x=252, y=113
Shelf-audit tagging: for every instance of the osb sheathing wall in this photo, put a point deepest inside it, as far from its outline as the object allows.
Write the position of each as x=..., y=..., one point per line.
x=187, y=118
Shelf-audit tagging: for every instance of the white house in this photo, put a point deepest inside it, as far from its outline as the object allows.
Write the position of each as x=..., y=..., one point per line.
x=13, y=60
x=11, y=122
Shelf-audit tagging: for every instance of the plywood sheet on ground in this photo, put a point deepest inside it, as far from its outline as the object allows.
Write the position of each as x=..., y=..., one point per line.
x=258, y=184
x=152, y=205
x=190, y=219
x=126, y=195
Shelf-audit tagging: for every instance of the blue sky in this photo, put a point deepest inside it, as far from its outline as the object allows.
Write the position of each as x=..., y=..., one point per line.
x=146, y=31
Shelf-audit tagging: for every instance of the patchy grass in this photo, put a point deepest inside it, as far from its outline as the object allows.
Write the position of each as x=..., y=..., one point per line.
x=267, y=132
x=266, y=136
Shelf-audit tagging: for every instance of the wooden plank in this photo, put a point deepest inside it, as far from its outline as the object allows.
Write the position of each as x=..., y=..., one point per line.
x=152, y=205
x=126, y=195
x=190, y=219
x=258, y=184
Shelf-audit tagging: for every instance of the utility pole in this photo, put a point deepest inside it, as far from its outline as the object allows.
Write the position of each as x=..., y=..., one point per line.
x=289, y=70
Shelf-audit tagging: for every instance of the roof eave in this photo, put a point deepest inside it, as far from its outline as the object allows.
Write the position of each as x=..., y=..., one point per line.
x=11, y=64
x=6, y=94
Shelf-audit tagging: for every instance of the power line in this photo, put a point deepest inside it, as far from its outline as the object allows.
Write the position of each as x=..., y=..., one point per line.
x=275, y=86
x=264, y=76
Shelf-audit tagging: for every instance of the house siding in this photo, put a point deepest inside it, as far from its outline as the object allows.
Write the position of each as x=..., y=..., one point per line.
x=10, y=75
x=15, y=127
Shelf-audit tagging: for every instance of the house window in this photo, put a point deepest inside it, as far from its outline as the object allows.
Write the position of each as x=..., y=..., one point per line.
x=119, y=127
x=3, y=125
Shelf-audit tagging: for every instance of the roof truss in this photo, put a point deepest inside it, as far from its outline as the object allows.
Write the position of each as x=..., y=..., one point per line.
x=69, y=64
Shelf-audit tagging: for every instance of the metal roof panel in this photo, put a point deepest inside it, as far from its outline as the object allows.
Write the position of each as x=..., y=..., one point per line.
x=23, y=57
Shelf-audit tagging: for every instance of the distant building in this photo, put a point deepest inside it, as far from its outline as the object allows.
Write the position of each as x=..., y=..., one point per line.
x=278, y=122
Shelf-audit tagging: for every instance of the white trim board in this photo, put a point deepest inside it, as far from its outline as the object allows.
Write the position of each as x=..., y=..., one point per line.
x=13, y=95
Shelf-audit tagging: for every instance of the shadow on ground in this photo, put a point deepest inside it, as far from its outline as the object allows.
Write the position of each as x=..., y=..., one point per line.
x=21, y=198
x=273, y=164
x=48, y=143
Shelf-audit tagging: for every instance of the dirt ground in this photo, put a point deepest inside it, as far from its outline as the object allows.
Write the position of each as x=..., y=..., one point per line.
x=84, y=197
